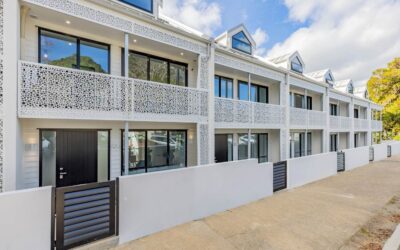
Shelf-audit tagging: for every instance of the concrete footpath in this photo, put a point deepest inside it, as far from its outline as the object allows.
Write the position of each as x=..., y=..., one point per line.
x=321, y=215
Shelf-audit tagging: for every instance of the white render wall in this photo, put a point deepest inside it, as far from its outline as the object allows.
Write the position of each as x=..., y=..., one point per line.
x=156, y=201
x=25, y=219
x=356, y=157
x=395, y=148
x=303, y=170
x=380, y=151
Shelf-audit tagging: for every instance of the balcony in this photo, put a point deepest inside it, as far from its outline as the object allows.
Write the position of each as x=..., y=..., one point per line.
x=340, y=123
x=303, y=118
x=376, y=125
x=361, y=124
x=230, y=113
x=62, y=93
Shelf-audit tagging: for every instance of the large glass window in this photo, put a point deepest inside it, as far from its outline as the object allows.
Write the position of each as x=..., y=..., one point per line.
x=243, y=91
x=63, y=50
x=350, y=89
x=333, y=109
x=333, y=143
x=297, y=144
x=49, y=157
x=146, y=5
x=259, y=147
x=223, y=87
x=241, y=43
x=298, y=101
x=356, y=114
x=156, y=150
x=309, y=102
x=243, y=146
x=147, y=67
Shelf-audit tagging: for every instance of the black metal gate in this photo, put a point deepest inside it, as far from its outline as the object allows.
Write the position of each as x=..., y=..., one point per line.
x=280, y=175
x=389, y=151
x=371, y=154
x=341, y=161
x=85, y=213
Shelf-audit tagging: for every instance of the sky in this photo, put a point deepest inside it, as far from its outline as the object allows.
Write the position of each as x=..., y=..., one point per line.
x=351, y=37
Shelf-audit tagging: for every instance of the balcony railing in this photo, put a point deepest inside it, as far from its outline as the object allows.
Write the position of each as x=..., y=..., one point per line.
x=55, y=92
x=376, y=125
x=230, y=113
x=361, y=124
x=340, y=123
x=303, y=118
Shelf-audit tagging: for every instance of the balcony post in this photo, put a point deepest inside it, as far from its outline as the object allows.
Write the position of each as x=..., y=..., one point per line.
x=326, y=130
x=285, y=131
x=351, y=115
x=249, y=87
x=126, y=125
x=380, y=130
x=249, y=144
x=369, y=118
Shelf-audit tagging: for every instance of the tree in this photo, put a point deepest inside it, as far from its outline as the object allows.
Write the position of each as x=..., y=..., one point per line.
x=384, y=88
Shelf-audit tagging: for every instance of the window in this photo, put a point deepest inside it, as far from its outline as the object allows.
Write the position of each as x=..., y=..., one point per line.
x=243, y=91
x=296, y=65
x=73, y=52
x=223, y=87
x=259, y=147
x=156, y=69
x=350, y=89
x=333, y=143
x=146, y=5
x=243, y=146
x=223, y=147
x=333, y=109
x=309, y=102
x=241, y=43
x=298, y=101
x=355, y=140
x=155, y=150
x=356, y=115
x=257, y=93
x=297, y=144
x=329, y=80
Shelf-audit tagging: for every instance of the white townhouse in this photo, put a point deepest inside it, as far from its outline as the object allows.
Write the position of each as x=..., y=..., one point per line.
x=95, y=89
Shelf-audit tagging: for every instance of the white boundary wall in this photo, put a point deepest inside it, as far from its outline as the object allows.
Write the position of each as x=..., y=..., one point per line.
x=312, y=168
x=156, y=201
x=25, y=219
x=395, y=148
x=380, y=151
x=356, y=157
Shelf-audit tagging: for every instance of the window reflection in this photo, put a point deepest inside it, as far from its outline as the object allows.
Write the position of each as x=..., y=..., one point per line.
x=158, y=71
x=243, y=146
x=241, y=42
x=177, y=148
x=94, y=57
x=146, y=5
x=243, y=91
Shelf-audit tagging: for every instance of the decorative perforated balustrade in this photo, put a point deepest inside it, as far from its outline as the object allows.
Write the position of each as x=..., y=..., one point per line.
x=340, y=123
x=231, y=113
x=303, y=118
x=361, y=124
x=55, y=92
x=376, y=125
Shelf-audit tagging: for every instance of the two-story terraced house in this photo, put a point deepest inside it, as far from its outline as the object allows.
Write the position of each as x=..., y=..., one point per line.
x=96, y=89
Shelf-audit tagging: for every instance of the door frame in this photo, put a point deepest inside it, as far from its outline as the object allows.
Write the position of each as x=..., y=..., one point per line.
x=71, y=130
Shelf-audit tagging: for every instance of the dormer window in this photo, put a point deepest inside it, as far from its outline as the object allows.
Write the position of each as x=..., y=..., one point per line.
x=350, y=89
x=329, y=80
x=146, y=5
x=241, y=43
x=296, y=65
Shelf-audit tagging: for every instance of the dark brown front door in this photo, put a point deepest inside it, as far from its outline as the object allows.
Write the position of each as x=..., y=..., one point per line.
x=76, y=161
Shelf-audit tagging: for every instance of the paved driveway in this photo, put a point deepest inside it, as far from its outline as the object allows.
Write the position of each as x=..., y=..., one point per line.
x=321, y=215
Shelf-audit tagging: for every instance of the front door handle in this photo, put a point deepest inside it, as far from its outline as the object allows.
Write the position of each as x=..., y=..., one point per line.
x=62, y=175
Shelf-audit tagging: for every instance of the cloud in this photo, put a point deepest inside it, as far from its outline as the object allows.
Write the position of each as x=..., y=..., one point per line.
x=198, y=14
x=353, y=38
x=260, y=36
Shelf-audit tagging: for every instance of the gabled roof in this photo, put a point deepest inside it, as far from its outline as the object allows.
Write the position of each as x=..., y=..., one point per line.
x=343, y=85
x=284, y=60
x=321, y=75
x=361, y=92
x=234, y=31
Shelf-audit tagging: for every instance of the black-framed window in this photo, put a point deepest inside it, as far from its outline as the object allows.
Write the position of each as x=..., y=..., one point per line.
x=356, y=113
x=223, y=147
x=243, y=145
x=350, y=89
x=329, y=79
x=155, y=150
x=259, y=147
x=297, y=144
x=241, y=42
x=69, y=51
x=157, y=69
x=333, y=143
x=146, y=5
x=296, y=65
x=258, y=93
x=333, y=109
x=223, y=87
x=298, y=101
x=309, y=102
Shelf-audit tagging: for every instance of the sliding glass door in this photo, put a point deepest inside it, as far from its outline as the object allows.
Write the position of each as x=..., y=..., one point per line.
x=259, y=147
x=156, y=150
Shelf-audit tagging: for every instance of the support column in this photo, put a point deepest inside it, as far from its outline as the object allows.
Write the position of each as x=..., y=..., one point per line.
x=306, y=143
x=285, y=130
x=126, y=124
x=380, y=132
x=369, y=118
x=326, y=130
x=351, y=115
x=12, y=138
x=249, y=144
x=211, y=105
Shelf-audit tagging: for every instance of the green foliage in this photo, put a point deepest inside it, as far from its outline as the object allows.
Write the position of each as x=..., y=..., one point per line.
x=87, y=63
x=384, y=88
